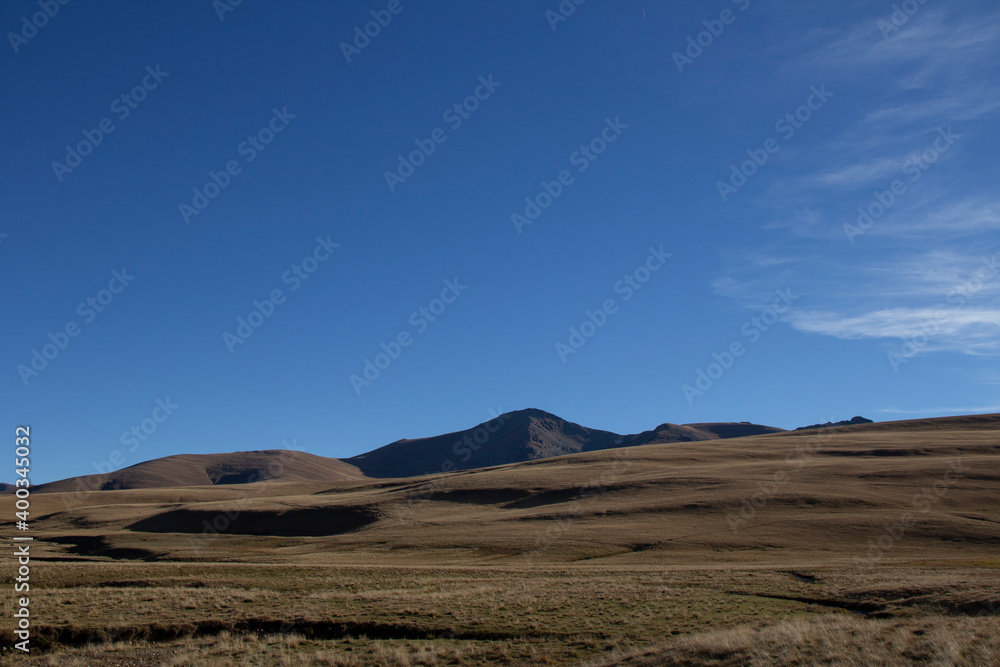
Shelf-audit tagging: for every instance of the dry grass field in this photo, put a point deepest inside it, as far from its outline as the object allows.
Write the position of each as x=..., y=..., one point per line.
x=868, y=544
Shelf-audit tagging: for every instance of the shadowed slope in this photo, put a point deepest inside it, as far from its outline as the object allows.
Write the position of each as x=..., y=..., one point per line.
x=304, y=522
x=524, y=435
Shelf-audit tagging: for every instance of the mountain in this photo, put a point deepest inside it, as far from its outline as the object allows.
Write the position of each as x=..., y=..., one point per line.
x=658, y=504
x=695, y=432
x=212, y=469
x=513, y=437
x=525, y=435
x=888, y=521
x=847, y=422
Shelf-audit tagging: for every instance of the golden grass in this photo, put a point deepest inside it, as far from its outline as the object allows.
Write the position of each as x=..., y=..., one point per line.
x=211, y=614
x=830, y=640
x=557, y=561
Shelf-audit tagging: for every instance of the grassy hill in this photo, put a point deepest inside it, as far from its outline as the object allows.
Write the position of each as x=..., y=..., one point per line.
x=185, y=470
x=873, y=541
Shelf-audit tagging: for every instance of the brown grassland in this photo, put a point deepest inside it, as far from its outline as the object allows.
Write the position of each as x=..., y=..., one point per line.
x=869, y=544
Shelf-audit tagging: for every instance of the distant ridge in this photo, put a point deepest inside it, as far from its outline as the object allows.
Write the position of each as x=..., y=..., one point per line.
x=847, y=422
x=513, y=437
x=525, y=435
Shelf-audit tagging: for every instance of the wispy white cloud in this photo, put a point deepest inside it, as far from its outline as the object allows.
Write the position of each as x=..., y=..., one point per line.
x=955, y=105
x=927, y=44
x=948, y=299
x=937, y=70
x=854, y=175
x=919, y=267
x=974, y=215
x=965, y=324
x=945, y=411
x=807, y=221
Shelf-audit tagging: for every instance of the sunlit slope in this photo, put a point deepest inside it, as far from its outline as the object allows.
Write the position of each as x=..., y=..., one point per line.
x=212, y=469
x=916, y=489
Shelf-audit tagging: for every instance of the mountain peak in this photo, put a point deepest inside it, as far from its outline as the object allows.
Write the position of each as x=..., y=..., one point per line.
x=523, y=435
x=527, y=413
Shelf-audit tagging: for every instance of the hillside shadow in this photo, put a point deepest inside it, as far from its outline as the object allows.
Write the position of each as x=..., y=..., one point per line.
x=306, y=522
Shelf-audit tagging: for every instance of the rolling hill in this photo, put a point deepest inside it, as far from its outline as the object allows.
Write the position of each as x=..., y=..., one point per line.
x=212, y=469
x=523, y=435
x=824, y=493
x=865, y=534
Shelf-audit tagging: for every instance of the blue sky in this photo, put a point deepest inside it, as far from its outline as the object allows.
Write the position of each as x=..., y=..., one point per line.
x=696, y=254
